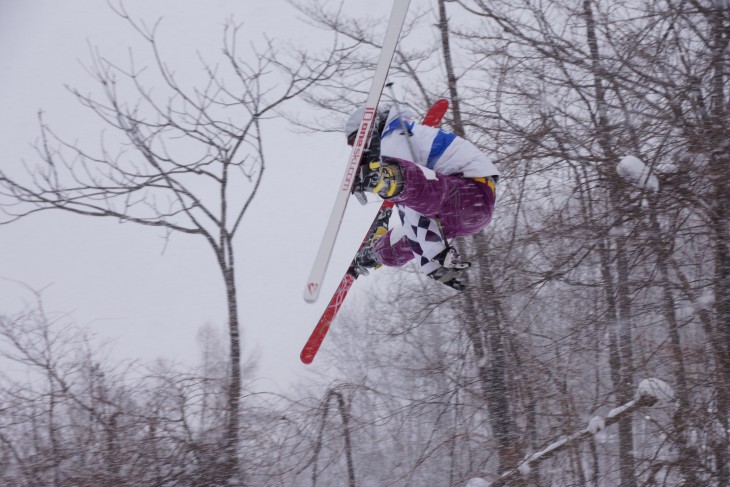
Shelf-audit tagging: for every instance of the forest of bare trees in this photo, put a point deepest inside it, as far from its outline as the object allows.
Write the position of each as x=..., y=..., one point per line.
x=590, y=348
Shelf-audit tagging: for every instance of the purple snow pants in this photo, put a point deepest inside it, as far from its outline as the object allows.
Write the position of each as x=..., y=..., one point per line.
x=463, y=205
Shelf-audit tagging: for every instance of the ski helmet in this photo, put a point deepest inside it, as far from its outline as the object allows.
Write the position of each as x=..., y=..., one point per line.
x=353, y=123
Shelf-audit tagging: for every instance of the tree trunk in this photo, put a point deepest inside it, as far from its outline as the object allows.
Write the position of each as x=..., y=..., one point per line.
x=230, y=468
x=623, y=356
x=662, y=251
x=719, y=19
x=483, y=319
x=458, y=123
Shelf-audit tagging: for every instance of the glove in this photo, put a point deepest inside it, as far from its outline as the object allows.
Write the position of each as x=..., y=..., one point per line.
x=364, y=260
x=366, y=178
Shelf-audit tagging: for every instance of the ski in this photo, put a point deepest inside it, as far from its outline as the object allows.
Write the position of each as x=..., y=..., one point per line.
x=392, y=33
x=433, y=118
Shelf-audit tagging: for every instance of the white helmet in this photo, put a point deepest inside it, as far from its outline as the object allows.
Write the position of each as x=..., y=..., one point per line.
x=353, y=122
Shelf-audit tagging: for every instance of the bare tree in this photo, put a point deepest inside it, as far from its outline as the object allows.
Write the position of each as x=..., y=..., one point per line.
x=188, y=161
x=70, y=417
x=584, y=280
x=638, y=81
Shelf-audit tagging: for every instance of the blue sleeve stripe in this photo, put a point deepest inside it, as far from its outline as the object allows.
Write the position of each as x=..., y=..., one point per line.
x=440, y=143
x=395, y=125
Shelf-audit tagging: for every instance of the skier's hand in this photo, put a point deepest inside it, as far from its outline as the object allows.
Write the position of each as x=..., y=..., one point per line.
x=365, y=260
x=370, y=155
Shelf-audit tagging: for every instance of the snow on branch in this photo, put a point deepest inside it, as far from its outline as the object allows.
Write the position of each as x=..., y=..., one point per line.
x=635, y=171
x=649, y=392
x=656, y=388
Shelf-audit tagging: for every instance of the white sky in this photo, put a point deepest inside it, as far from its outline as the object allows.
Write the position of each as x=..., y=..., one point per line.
x=113, y=278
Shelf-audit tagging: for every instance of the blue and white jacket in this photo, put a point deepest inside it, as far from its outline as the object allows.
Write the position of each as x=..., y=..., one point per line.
x=436, y=149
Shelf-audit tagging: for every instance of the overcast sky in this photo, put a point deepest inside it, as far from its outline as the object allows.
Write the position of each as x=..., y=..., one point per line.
x=114, y=278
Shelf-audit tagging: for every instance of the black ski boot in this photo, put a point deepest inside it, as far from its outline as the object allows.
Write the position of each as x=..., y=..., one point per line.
x=366, y=258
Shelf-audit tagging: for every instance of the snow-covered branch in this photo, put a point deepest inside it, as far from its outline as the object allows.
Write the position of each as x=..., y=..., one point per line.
x=635, y=171
x=649, y=392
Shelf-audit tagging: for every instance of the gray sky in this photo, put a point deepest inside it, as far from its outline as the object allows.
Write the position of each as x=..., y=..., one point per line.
x=114, y=278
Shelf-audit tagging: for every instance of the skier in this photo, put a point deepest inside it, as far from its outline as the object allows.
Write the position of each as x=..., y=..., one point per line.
x=442, y=185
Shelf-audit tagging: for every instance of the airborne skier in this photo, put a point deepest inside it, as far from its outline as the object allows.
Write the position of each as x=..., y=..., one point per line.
x=455, y=199
x=442, y=185
x=432, y=119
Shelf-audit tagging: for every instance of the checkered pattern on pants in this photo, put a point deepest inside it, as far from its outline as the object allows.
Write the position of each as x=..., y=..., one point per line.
x=424, y=238
x=464, y=206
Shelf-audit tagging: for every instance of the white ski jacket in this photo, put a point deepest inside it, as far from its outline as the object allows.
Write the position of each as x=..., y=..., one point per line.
x=436, y=149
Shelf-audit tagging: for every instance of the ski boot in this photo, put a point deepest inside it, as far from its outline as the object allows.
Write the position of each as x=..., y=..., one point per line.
x=366, y=258
x=380, y=177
